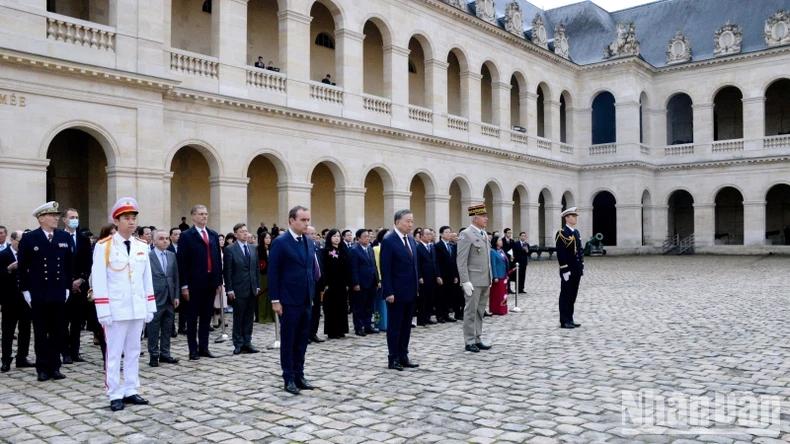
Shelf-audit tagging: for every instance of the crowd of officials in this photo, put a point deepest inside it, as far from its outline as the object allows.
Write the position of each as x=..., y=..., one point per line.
x=132, y=280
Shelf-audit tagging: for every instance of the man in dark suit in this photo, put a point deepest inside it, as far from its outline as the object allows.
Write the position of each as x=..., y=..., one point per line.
x=399, y=282
x=242, y=285
x=164, y=276
x=45, y=280
x=521, y=257
x=364, y=281
x=507, y=247
x=292, y=278
x=175, y=235
x=183, y=226
x=77, y=307
x=318, y=294
x=429, y=278
x=447, y=291
x=200, y=273
x=15, y=309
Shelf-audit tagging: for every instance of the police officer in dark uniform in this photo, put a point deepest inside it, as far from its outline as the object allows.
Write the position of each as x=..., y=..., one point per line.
x=570, y=256
x=45, y=279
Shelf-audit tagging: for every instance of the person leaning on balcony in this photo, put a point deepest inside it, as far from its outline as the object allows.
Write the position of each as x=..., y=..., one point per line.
x=259, y=63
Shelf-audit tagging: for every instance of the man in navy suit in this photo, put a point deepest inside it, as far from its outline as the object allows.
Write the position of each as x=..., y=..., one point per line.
x=200, y=273
x=429, y=278
x=44, y=267
x=448, y=289
x=399, y=282
x=292, y=276
x=364, y=281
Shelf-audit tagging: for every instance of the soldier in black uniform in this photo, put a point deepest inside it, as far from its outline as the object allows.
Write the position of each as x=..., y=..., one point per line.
x=15, y=309
x=570, y=256
x=45, y=279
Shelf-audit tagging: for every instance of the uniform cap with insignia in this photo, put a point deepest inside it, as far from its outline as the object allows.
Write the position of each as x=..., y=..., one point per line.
x=48, y=208
x=571, y=210
x=477, y=209
x=124, y=205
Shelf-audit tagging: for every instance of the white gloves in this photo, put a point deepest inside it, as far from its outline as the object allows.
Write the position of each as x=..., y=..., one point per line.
x=105, y=321
x=68, y=293
x=468, y=288
x=149, y=317
x=26, y=295
x=566, y=276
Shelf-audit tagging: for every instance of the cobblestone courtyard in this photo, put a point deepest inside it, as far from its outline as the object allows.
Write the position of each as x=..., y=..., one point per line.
x=696, y=325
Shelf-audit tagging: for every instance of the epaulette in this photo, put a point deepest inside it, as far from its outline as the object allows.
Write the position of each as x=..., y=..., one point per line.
x=567, y=240
x=105, y=239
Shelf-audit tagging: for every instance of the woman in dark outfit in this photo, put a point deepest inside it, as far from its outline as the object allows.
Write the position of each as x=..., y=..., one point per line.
x=334, y=280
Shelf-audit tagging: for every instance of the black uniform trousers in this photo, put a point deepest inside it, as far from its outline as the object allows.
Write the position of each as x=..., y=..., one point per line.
x=315, y=313
x=183, y=310
x=76, y=315
x=199, y=312
x=48, y=327
x=16, y=313
x=399, y=316
x=362, y=308
x=522, y=275
x=568, y=291
x=443, y=298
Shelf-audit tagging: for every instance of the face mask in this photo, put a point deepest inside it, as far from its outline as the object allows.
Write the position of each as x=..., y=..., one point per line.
x=73, y=223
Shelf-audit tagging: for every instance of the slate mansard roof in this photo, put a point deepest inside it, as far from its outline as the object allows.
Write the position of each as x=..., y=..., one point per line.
x=590, y=28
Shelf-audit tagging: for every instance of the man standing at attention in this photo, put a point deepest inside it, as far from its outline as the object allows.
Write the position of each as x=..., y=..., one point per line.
x=164, y=272
x=242, y=284
x=124, y=297
x=399, y=283
x=474, y=272
x=570, y=256
x=292, y=276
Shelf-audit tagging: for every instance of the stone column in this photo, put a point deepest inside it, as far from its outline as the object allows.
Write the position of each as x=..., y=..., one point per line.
x=553, y=120
x=394, y=201
x=581, y=132
x=500, y=100
x=753, y=122
x=350, y=76
x=552, y=219
x=291, y=194
x=28, y=179
x=139, y=37
x=436, y=89
x=584, y=225
x=152, y=190
x=166, y=196
x=657, y=134
x=294, y=40
x=229, y=44
x=350, y=204
x=629, y=225
x=754, y=222
x=121, y=182
x=525, y=104
x=627, y=131
x=437, y=209
x=228, y=202
x=470, y=96
x=533, y=223
x=396, y=83
x=659, y=225
x=703, y=127
x=704, y=223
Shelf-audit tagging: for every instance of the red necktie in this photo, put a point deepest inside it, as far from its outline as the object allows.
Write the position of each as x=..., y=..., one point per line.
x=208, y=249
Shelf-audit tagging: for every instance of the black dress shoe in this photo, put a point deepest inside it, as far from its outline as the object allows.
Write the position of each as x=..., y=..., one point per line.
x=249, y=349
x=316, y=339
x=302, y=384
x=487, y=314
x=153, y=362
x=78, y=358
x=174, y=334
x=431, y=321
x=451, y=319
x=43, y=376
x=194, y=357
x=576, y=325
x=5, y=367
x=395, y=365
x=58, y=375
x=168, y=360
x=472, y=348
x=291, y=388
x=408, y=364
x=371, y=330
x=135, y=399
x=116, y=404
x=181, y=332
x=482, y=346
x=24, y=363
x=360, y=333
x=67, y=359
x=236, y=350
x=567, y=325
x=441, y=320
x=207, y=354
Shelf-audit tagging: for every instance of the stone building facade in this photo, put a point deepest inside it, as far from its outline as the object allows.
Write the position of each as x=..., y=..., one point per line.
x=656, y=130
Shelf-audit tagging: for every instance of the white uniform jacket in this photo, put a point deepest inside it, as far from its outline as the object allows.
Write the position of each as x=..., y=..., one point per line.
x=121, y=282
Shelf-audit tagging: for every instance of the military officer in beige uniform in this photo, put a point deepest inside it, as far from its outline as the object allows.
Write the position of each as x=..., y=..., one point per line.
x=474, y=271
x=123, y=292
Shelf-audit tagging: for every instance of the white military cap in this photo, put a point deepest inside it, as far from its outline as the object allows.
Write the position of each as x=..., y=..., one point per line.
x=124, y=205
x=48, y=208
x=571, y=210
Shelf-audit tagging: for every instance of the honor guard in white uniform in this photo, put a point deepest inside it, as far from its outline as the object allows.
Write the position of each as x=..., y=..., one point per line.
x=124, y=296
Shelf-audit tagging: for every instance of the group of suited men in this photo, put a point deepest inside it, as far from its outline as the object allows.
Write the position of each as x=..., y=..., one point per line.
x=196, y=272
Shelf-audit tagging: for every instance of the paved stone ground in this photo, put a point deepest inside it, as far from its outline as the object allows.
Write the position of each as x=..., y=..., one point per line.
x=696, y=325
